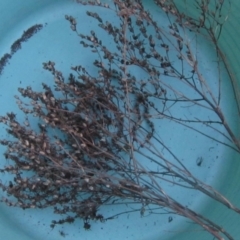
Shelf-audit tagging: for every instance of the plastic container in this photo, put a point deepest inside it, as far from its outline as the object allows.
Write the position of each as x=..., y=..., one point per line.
x=56, y=42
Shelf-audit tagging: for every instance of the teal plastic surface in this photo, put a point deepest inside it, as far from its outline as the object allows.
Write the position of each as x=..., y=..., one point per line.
x=56, y=42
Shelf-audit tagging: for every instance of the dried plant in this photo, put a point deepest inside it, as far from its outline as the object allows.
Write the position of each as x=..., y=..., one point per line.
x=17, y=45
x=97, y=134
